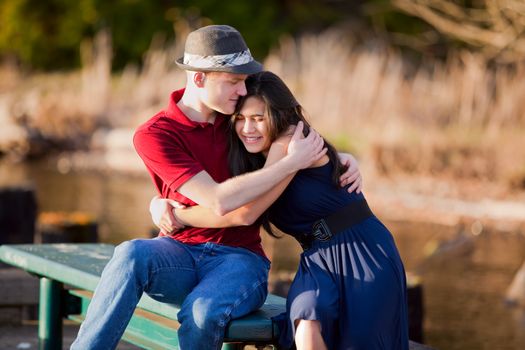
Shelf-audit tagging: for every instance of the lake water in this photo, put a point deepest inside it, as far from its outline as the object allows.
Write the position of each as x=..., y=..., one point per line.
x=464, y=276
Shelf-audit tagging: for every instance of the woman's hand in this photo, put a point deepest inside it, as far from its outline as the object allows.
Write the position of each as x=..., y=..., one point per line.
x=352, y=174
x=162, y=212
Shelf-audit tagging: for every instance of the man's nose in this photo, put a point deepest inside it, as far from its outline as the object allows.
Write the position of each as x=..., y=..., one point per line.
x=241, y=91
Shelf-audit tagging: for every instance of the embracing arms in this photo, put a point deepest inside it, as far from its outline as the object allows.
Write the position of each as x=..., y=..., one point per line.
x=239, y=190
x=169, y=215
x=169, y=219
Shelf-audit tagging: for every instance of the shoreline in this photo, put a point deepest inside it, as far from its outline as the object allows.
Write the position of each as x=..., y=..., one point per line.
x=399, y=197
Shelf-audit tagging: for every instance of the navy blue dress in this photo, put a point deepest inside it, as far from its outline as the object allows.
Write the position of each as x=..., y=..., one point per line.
x=354, y=284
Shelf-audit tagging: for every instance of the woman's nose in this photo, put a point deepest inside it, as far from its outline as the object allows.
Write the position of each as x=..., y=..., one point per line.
x=248, y=125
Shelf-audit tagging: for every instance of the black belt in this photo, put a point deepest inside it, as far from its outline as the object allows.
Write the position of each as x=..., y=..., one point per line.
x=325, y=229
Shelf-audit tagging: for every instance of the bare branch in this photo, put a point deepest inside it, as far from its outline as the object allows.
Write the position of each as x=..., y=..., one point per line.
x=496, y=26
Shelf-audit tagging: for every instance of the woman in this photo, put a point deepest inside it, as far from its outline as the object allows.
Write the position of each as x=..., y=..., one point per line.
x=350, y=290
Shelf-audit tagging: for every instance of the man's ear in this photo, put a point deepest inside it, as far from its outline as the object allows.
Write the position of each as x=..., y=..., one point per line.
x=199, y=78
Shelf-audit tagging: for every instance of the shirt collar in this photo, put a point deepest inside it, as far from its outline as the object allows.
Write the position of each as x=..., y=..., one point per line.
x=173, y=111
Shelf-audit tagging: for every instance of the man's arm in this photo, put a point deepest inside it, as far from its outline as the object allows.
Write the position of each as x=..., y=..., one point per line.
x=240, y=190
x=169, y=219
x=198, y=216
x=248, y=213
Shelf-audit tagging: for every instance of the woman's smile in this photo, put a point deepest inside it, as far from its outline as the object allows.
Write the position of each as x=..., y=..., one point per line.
x=251, y=125
x=251, y=139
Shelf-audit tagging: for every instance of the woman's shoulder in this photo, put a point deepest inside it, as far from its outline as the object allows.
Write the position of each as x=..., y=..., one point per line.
x=321, y=162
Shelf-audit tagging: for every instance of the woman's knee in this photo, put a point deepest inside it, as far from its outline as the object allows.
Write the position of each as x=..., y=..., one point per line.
x=308, y=335
x=310, y=326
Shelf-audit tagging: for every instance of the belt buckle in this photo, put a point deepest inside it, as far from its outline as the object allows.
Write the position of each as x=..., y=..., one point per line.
x=321, y=231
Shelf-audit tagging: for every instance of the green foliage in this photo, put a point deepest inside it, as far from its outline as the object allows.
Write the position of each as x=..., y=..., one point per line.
x=47, y=34
x=44, y=33
x=133, y=23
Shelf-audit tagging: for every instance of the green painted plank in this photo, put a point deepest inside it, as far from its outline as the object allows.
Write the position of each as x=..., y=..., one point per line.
x=154, y=332
x=80, y=265
x=145, y=334
x=258, y=324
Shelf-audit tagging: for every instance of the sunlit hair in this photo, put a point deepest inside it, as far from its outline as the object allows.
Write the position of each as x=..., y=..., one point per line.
x=283, y=110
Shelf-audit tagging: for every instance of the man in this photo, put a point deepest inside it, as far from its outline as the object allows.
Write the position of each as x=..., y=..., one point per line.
x=213, y=274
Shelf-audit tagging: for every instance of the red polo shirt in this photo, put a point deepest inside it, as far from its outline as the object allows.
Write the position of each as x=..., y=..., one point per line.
x=174, y=149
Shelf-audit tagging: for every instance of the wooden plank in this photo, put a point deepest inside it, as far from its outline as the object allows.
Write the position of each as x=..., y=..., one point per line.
x=77, y=264
x=168, y=321
x=145, y=329
x=81, y=265
x=256, y=326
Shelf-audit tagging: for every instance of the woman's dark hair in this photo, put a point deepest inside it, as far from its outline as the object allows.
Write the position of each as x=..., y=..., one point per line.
x=283, y=111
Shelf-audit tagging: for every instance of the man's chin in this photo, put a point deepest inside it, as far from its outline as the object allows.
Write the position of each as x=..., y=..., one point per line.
x=226, y=111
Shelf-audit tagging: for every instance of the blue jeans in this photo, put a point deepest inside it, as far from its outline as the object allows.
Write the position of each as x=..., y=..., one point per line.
x=212, y=284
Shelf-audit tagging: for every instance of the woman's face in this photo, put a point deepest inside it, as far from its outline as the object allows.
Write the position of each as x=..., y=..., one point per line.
x=251, y=125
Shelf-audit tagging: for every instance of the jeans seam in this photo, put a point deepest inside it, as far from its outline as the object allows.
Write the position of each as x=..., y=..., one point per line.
x=156, y=270
x=229, y=310
x=121, y=329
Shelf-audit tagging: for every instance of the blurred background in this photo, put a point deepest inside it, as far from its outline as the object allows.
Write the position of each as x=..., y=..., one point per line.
x=429, y=95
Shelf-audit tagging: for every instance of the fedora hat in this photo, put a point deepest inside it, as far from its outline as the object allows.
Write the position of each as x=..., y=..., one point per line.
x=217, y=48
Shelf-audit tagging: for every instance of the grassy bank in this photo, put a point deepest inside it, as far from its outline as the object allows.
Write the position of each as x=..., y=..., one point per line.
x=460, y=119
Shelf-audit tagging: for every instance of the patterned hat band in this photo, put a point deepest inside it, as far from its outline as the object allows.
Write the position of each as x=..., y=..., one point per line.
x=217, y=48
x=218, y=61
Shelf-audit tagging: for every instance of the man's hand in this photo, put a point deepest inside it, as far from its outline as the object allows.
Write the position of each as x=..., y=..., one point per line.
x=162, y=214
x=304, y=151
x=352, y=174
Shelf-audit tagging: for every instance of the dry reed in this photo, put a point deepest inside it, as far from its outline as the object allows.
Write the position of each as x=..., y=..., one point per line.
x=435, y=119
x=459, y=118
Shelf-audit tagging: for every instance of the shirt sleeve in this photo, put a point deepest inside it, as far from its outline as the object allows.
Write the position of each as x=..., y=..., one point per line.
x=166, y=158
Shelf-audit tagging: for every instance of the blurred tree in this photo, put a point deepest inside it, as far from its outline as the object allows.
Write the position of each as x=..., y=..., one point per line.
x=263, y=22
x=494, y=27
x=46, y=34
x=403, y=30
x=133, y=23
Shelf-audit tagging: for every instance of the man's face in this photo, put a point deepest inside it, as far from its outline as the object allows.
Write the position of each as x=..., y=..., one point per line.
x=222, y=90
